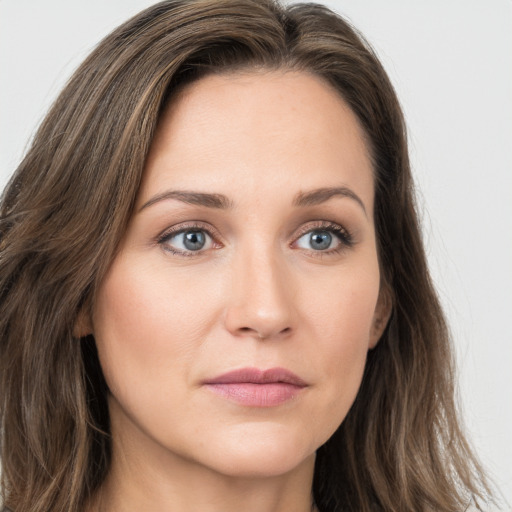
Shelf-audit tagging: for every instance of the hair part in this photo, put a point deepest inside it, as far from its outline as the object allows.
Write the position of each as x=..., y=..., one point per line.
x=62, y=216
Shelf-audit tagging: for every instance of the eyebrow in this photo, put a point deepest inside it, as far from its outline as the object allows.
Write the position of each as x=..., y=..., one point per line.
x=222, y=202
x=219, y=201
x=321, y=195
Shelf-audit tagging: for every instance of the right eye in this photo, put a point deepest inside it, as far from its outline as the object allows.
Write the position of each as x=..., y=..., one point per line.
x=186, y=241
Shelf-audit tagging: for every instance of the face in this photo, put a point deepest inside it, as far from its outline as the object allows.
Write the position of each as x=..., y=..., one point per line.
x=234, y=323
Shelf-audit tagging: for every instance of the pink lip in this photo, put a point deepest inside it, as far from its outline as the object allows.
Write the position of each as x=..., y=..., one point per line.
x=257, y=388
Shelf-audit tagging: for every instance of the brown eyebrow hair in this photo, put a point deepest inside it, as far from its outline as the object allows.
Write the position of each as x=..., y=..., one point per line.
x=320, y=195
x=198, y=198
x=220, y=201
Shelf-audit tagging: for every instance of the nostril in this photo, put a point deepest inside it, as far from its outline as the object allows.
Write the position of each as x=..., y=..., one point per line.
x=261, y=334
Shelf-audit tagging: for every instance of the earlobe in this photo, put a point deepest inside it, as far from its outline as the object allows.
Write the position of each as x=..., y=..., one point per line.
x=381, y=316
x=83, y=324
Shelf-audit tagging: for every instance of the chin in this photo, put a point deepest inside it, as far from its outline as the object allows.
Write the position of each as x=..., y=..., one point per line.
x=262, y=465
x=265, y=456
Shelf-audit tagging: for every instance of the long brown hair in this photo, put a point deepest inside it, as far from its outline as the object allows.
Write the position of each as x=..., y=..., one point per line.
x=65, y=209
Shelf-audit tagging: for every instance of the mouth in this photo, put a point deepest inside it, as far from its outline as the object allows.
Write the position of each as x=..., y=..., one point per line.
x=253, y=387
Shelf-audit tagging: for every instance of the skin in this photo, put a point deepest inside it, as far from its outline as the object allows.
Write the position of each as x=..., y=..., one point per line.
x=258, y=294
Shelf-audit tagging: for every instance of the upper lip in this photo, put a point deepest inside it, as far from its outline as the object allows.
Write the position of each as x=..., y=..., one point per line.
x=257, y=376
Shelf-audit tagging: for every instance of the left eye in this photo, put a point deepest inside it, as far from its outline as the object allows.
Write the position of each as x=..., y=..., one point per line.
x=193, y=240
x=319, y=240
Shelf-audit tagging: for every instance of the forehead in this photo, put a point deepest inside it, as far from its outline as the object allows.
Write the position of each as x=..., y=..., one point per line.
x=258, y=130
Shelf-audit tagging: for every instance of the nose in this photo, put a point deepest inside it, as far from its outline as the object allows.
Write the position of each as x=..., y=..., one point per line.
x=260, y=302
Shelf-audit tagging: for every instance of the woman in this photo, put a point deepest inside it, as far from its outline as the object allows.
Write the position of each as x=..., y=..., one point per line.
x=214, y=291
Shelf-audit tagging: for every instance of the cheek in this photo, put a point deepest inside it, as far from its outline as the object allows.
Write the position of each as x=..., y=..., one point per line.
x=340, y=320
x=145, y=324
x=341, y=306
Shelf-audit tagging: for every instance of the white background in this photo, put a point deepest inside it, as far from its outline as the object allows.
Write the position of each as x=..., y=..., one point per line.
x=451, y=63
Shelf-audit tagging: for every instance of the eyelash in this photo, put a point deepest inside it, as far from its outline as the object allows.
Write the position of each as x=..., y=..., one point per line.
x=183, y=228
x=344, y=237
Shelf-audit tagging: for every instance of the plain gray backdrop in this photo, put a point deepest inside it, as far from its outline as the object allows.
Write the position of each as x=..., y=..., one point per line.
x=451, y=63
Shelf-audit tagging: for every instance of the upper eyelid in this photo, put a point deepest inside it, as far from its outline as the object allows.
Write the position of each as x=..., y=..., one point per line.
x=344, y=235
x=186, y=226
x=322, y=224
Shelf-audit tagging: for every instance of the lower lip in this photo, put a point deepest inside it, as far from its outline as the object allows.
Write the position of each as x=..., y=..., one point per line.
x=257, y=395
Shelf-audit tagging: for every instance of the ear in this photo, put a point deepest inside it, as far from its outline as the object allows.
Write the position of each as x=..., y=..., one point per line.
x=381, y=316
x=83, y=324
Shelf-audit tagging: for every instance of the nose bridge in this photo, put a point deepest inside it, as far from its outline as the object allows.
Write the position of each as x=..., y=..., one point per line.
x=260, y=300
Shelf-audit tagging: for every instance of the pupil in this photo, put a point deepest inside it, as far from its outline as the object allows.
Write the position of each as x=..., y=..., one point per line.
x=320, y=240
x=194, y=240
